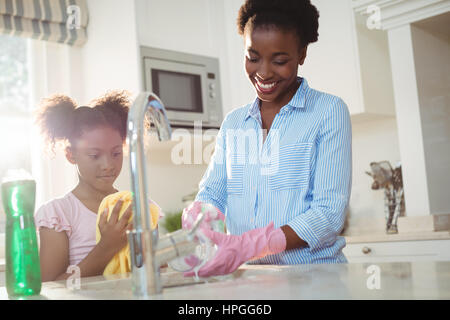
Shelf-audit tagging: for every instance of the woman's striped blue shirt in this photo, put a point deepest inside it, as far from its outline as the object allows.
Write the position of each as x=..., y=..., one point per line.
x=299, y=175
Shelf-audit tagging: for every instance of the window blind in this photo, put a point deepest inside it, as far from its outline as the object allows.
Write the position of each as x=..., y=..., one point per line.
x=62, y=21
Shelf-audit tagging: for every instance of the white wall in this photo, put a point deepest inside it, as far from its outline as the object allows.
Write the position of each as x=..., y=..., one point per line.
x=240, y=89
x=110, y=58
x=373, y=141
x=375, y=69
x=331, y=64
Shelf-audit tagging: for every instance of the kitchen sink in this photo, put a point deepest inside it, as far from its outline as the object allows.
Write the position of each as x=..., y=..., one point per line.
x=119, y=286
x=175, y=285
x=169, y=278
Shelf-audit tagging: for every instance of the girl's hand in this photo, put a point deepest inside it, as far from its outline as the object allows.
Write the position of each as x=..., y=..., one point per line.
x=113, y=230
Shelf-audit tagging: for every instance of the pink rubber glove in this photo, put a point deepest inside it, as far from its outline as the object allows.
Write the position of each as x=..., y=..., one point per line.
x=235, y=250
x=191, y=212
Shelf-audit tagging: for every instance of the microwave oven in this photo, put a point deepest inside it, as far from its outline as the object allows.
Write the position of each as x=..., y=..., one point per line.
x=187, y=84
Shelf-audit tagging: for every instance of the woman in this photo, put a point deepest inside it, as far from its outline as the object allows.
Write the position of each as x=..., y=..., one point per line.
x=289, y=206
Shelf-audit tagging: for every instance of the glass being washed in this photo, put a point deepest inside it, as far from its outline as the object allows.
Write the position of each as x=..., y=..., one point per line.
x=23, y=273
x=206, y=250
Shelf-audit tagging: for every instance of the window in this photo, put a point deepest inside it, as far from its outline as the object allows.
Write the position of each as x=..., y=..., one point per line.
x=15, y=107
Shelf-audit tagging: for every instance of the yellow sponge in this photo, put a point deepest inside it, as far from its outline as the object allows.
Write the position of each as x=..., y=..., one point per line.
x=121, y=262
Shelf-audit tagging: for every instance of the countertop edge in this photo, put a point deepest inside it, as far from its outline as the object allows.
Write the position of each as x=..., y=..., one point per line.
x=412, y=236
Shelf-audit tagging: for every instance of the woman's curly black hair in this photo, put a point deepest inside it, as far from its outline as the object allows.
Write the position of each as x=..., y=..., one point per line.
x=298, y=15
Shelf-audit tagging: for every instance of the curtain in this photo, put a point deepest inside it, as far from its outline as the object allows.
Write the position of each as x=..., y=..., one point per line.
x=62, y=21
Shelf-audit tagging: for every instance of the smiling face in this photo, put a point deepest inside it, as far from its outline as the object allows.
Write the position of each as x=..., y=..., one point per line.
x=98, y=155
x=271, y=63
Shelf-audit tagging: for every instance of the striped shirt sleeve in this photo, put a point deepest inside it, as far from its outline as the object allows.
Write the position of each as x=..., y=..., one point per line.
x=330, y=181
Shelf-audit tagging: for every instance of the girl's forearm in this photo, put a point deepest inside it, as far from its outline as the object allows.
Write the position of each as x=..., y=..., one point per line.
x=94, y=264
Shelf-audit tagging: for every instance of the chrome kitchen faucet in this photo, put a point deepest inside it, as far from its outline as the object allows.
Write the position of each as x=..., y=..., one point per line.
x=148, y=251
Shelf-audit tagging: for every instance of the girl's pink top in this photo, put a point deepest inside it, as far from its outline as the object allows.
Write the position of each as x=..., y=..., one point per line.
x=69, y=214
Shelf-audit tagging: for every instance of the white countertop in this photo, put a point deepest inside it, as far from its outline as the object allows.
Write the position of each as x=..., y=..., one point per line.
x=400, y=280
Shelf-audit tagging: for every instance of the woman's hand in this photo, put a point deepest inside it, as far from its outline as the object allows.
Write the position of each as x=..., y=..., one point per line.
x=113, y=230
x=235, y=250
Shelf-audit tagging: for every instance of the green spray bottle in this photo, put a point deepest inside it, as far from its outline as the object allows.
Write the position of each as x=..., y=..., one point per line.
x=22, y=272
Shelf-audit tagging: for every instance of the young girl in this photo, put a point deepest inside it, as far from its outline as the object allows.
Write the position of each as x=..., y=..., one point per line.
x=288, y=207
x=94, y=138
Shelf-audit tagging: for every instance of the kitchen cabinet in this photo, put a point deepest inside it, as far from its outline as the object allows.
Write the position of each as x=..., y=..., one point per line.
x=351, y=61
x=186, y=26
x=398, y=251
